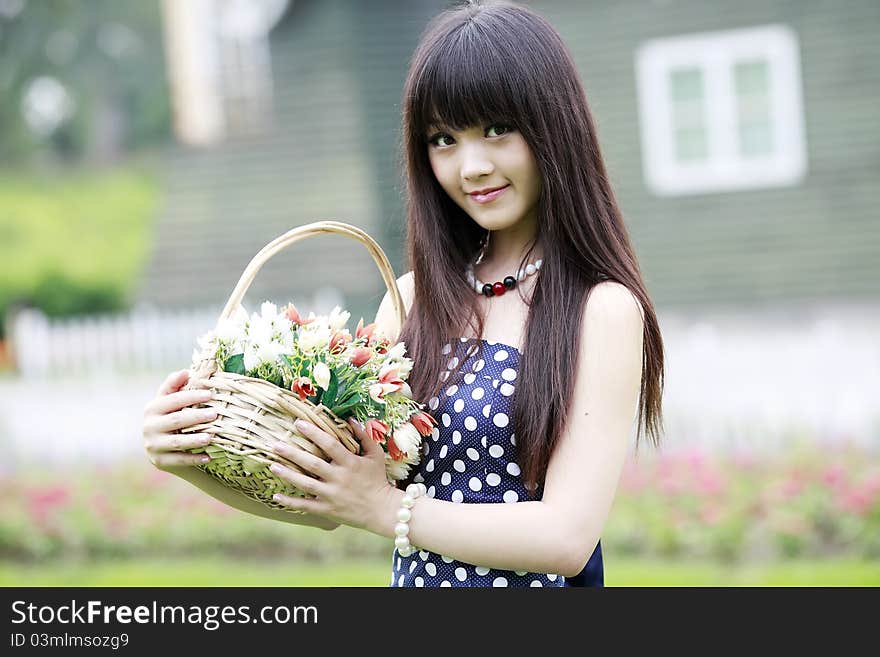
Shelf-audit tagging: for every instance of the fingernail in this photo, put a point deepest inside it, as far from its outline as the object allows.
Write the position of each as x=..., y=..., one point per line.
x=301, y=425
x=204, y=459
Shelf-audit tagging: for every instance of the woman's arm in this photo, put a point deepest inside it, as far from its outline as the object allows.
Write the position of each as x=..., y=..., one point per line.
x=559, y=533
x=237, y=500
x=555, y=535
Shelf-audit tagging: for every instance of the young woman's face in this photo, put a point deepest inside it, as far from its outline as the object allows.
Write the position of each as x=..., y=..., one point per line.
x=486, y=158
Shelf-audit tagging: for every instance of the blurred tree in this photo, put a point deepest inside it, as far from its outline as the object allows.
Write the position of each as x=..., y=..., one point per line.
x=80, y=79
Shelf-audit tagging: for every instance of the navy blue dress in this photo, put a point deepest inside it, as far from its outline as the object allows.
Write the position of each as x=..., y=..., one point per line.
x=469, y=458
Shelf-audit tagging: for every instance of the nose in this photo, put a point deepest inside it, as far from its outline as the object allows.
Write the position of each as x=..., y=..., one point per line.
x=475, y=163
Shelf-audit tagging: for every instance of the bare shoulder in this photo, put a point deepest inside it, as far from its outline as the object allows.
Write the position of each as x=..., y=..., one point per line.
x=615, y=302
x=386, y=320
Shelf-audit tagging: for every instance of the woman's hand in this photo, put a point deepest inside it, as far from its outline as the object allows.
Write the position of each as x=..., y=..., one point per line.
x=349, y=489
x=169, y=412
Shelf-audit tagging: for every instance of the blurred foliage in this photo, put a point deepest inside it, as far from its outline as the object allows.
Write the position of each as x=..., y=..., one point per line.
x=107, y=57
x=74, y=243
x=810, y=504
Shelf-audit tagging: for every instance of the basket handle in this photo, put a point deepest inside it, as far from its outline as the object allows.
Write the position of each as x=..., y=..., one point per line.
x=309, y=230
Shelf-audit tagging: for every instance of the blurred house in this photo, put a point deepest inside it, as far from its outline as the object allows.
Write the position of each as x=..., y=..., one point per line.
x=741, y=138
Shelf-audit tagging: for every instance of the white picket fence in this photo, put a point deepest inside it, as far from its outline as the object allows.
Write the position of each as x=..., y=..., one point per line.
x=145, y=339
x=755, y=381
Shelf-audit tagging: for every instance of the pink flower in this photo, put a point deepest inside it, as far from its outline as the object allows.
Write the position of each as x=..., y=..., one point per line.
x=376, y=430
x=423, y=422
x=360, y=356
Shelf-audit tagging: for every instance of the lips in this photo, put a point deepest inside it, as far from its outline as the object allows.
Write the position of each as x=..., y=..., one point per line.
x=489, y=194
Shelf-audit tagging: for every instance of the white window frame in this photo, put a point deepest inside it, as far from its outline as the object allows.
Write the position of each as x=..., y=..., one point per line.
x=715, y=54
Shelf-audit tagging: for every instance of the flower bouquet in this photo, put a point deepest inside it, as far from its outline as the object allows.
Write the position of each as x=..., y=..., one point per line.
x=269, y=369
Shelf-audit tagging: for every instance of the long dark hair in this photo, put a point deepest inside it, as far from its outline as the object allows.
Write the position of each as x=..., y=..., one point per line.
x=478, y=64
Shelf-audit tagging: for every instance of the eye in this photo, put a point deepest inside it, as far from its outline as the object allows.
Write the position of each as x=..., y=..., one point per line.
x=440, y=135
x=505, y=129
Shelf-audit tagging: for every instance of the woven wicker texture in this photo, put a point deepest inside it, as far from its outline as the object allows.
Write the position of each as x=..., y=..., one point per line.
x=254, y=414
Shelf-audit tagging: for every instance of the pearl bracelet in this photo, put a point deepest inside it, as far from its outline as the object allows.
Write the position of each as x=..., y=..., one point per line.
x=404, y=513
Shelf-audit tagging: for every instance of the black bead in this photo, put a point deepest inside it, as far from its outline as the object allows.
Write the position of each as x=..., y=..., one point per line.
x=488, y=291
x=509, y=282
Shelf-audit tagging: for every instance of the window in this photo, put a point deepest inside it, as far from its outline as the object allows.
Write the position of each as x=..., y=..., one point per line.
x=721, y=111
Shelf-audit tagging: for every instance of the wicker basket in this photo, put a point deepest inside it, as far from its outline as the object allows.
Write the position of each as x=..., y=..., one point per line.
x=254, y=414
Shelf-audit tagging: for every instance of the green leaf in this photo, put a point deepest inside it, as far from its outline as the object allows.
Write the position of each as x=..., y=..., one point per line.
x=235, y=364
x=329, y=397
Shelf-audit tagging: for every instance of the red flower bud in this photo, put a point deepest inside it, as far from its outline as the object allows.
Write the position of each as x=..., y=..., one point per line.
x=365, y=331
x=360, y=356
x=303, y=387
x=376, y=430
x=423, y=422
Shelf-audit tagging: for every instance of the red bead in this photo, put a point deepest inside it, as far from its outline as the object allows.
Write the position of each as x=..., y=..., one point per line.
x=499, y=289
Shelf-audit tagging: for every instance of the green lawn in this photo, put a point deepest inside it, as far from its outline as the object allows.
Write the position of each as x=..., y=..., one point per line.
x=618, y=572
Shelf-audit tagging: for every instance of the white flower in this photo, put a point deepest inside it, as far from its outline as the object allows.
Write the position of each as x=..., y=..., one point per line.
x=313, y=336
x=406, y=391
x=395, y=470
x=408, y=439
x=321, y=374
x=338, y=318
x=258, y=353
x=396, y=352
x=268, y=310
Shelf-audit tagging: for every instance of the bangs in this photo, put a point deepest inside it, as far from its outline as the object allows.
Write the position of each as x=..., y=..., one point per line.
x=464, y=83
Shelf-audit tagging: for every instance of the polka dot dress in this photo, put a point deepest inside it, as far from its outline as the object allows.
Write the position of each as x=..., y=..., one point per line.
x=469, y=458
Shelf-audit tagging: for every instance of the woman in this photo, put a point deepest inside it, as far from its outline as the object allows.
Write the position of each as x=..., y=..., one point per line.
x=526, y=310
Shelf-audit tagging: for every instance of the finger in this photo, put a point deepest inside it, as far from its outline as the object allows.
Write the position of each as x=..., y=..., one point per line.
x=298, y=504
x=179, y=441
x=304, y=482
x=173, y=382
x=179, y=459
x=179, y=420
x=330, y=445
x=177, y=400
x=368, y=445
x=308, y=462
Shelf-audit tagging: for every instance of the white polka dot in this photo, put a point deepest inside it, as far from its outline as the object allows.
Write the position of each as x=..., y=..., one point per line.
x=392, y=579
x=520, y=572
x=460, y=574
x=426, y=449
x=446, y=348
x=513, y=439
x=445, y=478
x=445, y=585
x=478, y=365
x=499, y=581
x=513, y=469
x=431, y=569
x=508, y=374
x=458, y=405
x=486, y=410
x=483, y=441
x=475, y=484
x=412, y=566
x=446, y=559
x=500, y=420
x=451, y=390
x=444, y=376
x=456, y=437
x=398, y=564
x=481, y=570
x=443, y=451
x=506, y=389
x=400, y=581
x=477, y=393
x=493, y=479
x=511, y=496
x=423, y=555
x=433, y=403
x=420, y=582
x=469, y=378
x=495, y=450
x=462, y=340
x=446, y=419
x=431, y=492
x=552, y=577
x=473, y=454
x=458, y=464
x=453, y=362
x=470, y=423
x=429, y=467
x=500, y=355
x=457, y=496
x=435, y=434
x=535, y=583
x=495, y=383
